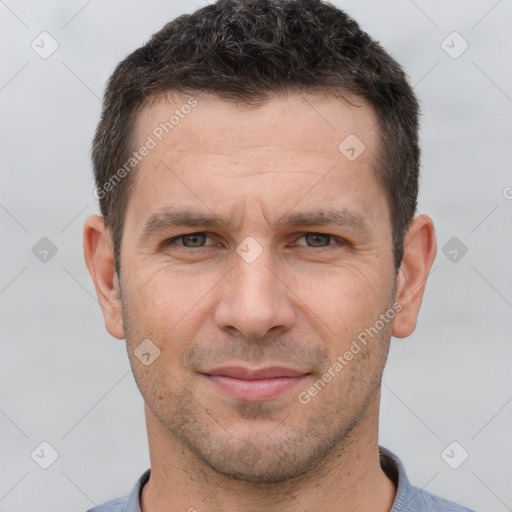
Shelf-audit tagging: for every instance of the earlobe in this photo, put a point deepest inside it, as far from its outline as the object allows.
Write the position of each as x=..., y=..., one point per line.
x=419, y=253
x=99, y=259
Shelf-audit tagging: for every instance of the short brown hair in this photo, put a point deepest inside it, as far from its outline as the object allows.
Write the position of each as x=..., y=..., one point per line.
x=245, y=51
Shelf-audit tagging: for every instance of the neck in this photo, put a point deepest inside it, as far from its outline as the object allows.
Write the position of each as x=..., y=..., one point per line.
x=350, y=479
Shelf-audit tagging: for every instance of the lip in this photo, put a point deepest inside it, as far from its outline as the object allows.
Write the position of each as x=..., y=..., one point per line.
x=255, y=385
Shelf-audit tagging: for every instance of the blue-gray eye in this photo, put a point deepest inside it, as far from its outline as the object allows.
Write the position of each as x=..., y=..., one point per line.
x=193, y=239
x=317, y=239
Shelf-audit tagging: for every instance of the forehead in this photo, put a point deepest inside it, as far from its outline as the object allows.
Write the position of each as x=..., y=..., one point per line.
x=315, y=123
x=214, y=153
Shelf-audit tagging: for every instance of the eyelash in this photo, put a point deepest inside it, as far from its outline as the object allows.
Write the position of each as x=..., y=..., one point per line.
x=340, y=241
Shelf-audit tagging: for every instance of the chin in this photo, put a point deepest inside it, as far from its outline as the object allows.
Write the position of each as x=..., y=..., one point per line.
x=262, y=458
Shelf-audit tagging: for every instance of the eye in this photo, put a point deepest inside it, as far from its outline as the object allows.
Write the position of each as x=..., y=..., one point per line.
x=316, y=240
x=198, y=240
x=190, y=240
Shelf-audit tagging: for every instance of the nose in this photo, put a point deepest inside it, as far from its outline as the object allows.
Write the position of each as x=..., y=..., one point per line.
x=254, y=299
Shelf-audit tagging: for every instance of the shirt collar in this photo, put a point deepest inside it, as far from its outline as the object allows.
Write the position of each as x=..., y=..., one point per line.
x=132, y=503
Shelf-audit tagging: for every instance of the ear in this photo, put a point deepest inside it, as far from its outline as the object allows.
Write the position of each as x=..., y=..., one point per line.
x=420, y=249
x=100, y=262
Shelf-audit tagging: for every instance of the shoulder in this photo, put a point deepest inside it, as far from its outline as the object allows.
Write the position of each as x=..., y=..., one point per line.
x=130, y=503
x=115, y=505
x=423, y=501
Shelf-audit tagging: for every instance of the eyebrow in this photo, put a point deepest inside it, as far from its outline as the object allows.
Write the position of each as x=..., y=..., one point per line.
x=165, y=220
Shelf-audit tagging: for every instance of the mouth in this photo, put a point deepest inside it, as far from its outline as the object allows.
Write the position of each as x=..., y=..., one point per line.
x=255, y=385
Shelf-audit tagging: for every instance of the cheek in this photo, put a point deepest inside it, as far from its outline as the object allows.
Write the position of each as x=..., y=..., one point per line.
x=169, y=304
x=165, y=302
x=346, y=298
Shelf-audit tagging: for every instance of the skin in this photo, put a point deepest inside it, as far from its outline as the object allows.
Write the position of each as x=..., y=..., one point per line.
x=299, y=304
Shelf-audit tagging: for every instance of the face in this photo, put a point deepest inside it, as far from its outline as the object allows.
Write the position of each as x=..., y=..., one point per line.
x=255, y=253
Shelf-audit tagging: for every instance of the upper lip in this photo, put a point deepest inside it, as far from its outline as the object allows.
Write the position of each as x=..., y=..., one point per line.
x=239, y=372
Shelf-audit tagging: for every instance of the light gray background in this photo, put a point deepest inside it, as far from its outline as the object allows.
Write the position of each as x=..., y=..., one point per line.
x=64, y=380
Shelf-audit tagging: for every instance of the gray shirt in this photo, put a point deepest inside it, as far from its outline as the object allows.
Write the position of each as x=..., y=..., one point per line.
x=407, y=499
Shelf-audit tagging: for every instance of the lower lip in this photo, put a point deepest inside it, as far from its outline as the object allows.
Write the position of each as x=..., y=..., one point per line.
x=255, y=390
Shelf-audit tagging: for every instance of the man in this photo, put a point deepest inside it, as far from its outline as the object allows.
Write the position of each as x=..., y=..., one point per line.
x=257, y=169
